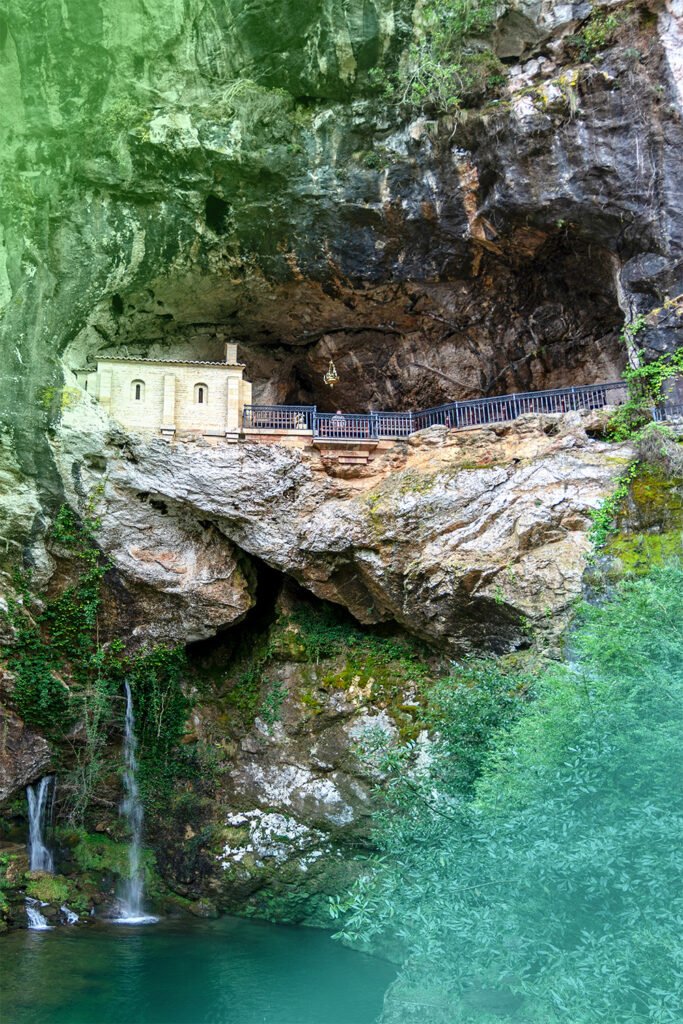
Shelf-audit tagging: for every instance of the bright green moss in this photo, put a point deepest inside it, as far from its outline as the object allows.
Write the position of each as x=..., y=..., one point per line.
x=651, y=530
x=49, y=889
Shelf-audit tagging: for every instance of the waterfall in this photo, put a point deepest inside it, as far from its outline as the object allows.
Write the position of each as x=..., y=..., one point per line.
x=131, y=808
x=40, y=858
x=69, y=916
x=36, y=921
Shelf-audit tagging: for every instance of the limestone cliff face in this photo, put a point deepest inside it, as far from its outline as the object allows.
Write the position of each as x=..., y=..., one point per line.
x=472, y=541
x=201, y=169
x=181, y=173
x=469, y=539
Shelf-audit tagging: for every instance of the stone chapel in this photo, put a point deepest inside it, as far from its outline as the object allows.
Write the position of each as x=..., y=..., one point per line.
x=172, y=397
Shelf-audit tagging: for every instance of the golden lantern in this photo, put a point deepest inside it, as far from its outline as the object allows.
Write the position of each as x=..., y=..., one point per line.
x=331, y=377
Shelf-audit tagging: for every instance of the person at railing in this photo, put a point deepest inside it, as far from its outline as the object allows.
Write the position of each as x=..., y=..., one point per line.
x=338, y=424
x=454, y=415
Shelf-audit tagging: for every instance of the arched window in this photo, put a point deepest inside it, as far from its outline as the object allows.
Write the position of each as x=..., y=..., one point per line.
x=201, y=394
x=137, y=391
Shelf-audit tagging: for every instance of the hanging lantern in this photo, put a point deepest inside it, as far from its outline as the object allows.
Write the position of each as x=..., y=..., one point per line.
x=331, y=377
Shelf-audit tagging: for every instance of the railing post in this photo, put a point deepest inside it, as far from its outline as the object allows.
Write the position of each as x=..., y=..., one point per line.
x=314, y=421
x=374, y=432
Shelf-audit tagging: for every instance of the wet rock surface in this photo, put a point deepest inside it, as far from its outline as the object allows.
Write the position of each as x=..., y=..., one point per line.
x=24, y=755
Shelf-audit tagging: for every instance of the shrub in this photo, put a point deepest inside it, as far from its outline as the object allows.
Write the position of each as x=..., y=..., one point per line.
x=645, y=383
x=443, y=69
x=551, y=892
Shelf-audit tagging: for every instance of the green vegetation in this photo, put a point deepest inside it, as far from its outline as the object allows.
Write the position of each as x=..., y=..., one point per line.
x=653, y=483
x=654, y=533
x=6, y=861
x=48, y=889
x=467, y=709
x=64, y=675
x=540, y=882
x=385, y=671
x=161, y=710
x=645, y=383
x=271, y=706
x=97, y=855
x=383, y=667
x=323, y=633
x=604, y=517
x=449, y=64
x=56, y=640
x=246, y=695
x=597, y=33
x=97, y=852
x=650, y=524
x=605, y=28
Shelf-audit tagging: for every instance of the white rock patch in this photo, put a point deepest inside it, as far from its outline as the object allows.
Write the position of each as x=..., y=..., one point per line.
x=273, y=836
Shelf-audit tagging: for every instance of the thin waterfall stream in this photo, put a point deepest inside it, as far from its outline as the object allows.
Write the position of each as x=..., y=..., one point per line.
x=131, y=808
x=39, y=801
x=40, y=798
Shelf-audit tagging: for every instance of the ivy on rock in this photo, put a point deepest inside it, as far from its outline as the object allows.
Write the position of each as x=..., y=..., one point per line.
x=67, y=683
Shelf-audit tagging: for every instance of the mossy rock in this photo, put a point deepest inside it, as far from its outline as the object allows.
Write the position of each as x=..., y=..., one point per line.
x=52, y=889
x=651, y=525
x=292, y=895
x=97, y=856
x=58, y=890
x=99, y=853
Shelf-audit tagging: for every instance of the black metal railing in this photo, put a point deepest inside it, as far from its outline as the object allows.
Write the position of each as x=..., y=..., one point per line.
x=393, y=425
x=668, y=411
x=481, y=411
x=345, y=426
x=279, y=417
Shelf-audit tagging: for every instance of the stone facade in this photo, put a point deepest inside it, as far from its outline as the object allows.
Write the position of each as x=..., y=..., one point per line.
x=174, y=396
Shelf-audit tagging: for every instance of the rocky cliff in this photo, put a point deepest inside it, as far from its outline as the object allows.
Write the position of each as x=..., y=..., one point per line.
x=177, y=176
x=466, y=539
x=174, y=175
x=454, y=543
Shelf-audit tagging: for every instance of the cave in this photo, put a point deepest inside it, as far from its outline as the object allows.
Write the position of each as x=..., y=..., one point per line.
x=545, y=317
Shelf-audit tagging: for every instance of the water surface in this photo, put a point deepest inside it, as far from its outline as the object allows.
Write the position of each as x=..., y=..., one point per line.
x=228, y=971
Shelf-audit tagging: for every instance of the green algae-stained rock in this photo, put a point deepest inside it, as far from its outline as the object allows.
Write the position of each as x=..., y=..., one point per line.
x=314, y=48
x=119, y=121
x=651, y=525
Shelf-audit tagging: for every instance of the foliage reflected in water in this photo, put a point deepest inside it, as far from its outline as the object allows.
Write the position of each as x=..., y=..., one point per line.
x=209, y=972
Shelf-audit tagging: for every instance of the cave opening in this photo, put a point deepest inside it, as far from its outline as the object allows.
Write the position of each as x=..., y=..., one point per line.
x=217, y=213
x=544, y=314
x=229, y=644
x=277, y=594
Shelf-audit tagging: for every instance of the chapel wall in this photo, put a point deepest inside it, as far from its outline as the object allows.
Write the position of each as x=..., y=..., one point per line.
x=170, y=396
x=145, y=414
x=211, y=414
